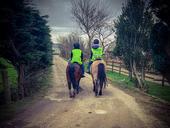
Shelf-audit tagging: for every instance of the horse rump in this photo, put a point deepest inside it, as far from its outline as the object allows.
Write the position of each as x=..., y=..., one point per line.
x=75, y=76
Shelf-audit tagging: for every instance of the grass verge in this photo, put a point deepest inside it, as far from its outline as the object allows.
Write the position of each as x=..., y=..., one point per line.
x=162, y=92
x=12, y=74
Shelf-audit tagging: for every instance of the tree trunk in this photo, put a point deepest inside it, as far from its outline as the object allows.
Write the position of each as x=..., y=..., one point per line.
x=143, y=73
x=21, y=81
x=130, y=70
x=89, y=45
x=139, y=80
x=135, y=72
x=130, y=74
x=7, y=90
x=102, y=42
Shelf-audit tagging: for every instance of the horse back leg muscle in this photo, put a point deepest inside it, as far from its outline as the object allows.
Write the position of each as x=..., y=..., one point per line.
x=93, y=86
x=96, y=87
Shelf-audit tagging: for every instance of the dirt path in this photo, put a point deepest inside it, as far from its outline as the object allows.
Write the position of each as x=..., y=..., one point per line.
x=115, y=109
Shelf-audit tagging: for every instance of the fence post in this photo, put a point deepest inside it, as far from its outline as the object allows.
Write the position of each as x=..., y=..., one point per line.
x=112, y=65
x=120, y=69
x=143, y=73
x=163, y=80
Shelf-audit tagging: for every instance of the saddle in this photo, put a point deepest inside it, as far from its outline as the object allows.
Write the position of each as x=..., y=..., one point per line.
x=97, y=59
x=76, y=63
x=72, y=65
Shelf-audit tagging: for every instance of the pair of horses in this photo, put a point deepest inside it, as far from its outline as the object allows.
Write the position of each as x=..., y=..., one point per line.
x=73, y=73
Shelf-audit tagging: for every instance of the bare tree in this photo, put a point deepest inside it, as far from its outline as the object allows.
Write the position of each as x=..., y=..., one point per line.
x=106, y=34
x=67, y=44
x=90, y=15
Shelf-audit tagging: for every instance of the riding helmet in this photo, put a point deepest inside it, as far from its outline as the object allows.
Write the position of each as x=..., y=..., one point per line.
x=96, y=41
x=76, y=45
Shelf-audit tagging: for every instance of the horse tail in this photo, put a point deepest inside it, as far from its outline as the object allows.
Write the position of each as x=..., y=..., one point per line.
x=101, y=75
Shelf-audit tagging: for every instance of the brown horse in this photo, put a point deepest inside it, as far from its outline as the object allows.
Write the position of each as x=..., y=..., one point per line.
x=73, y=73
x=99, y=76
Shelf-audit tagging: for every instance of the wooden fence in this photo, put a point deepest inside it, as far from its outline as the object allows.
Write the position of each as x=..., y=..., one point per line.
x=119, y=67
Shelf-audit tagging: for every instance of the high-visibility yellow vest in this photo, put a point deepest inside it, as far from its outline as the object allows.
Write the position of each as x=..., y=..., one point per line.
x=97, y=53
x=76, y=56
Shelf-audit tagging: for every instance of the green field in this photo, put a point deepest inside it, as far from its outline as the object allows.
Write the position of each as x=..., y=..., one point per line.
x=12, y=74
x=155, y=89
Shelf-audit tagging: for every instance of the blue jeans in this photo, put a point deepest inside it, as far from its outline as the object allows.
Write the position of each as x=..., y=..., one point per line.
x=89, y=65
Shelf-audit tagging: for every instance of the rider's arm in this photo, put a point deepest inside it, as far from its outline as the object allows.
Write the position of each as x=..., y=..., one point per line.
x=71, y=55
x=82, y=57
x=91, y=54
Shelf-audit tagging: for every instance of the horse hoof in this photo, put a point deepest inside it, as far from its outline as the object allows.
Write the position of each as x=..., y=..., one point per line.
x=93, y=89
x=71, y=96
x=77, y=92
x=74, y=94
x=100, y=94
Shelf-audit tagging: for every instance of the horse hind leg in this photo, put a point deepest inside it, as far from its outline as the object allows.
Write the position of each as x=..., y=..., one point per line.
x=69, y=87
x=101, y=86
x=96, y=87
x=74, y=89
x=74, y=93
x=77, y=88
x=70, y=94
x=100, y=92
x=96, y=91
x=93, y=86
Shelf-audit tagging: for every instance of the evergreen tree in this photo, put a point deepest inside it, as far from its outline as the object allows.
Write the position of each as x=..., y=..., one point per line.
x=26, y=40
x=160, y=40
x=132, y=29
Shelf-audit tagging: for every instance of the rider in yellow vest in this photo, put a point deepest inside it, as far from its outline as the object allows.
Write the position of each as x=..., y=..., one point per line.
x=96, y=53
x=77, y=56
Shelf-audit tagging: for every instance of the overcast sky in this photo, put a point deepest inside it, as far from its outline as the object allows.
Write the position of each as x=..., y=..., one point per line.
x=60, y=18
